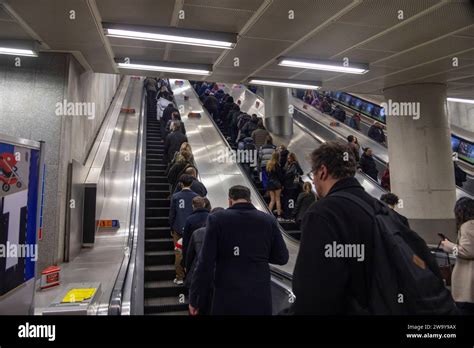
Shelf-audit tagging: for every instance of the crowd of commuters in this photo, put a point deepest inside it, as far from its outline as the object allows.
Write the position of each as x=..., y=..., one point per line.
x=226, y=252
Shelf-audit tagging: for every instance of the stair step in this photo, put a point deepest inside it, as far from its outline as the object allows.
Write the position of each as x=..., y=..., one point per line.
x=159, y=244
x=159, y=272
x=164, y=257
x=157, y=221
x=164, y=288
x=164, y=304
x=157, y=232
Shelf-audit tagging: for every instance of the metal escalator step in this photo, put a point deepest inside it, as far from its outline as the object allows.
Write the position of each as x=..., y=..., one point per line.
x=159, y=272
x=164, y=288
x=164, y=304
x=158, y=244
x=157, y=232
x=163, y=257
x=157, y=221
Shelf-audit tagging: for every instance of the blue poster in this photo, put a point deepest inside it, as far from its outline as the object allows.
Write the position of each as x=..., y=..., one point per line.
x=19, y=171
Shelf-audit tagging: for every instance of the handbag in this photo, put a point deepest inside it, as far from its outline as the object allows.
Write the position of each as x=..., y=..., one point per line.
x=447, y=269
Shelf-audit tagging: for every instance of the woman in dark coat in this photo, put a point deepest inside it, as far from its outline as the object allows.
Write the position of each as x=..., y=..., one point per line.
x=304, y=200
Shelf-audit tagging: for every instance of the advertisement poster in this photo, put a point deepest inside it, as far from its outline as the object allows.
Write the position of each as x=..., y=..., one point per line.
x=19, y=170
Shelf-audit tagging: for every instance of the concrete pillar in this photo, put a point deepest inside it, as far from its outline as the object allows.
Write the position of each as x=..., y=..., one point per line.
x=421, y=166
x=278, y=118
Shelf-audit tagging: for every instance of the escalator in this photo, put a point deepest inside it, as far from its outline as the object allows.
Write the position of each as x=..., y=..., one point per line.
x=290, y=227
x=161, y=295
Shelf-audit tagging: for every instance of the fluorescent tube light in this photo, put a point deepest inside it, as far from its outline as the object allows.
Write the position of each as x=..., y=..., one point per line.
x=461, y=100
x=171, y=38
x=19, y=47
x=164, y=69
x=281, y=83
x=321, y=65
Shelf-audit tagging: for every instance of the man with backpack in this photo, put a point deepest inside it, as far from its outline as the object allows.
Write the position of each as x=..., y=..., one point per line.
x=356, y=256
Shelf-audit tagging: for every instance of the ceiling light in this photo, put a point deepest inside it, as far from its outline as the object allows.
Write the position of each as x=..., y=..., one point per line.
x=193, y=69
x=461, y=100
x=323, y=65
x=172, y=35
x=18, y=48
x=285, y=83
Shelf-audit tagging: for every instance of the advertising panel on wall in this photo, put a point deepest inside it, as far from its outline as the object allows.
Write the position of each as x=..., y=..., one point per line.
x=19, y=181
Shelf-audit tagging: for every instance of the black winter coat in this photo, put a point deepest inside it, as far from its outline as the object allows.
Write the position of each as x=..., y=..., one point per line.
x=240, y=242
x=303, y=202
x=196, y=220
x=173, y=142
x=326, y=285
x=368, y=166
x=292, y=171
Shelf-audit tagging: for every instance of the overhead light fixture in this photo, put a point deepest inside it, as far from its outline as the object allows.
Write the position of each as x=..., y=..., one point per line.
x=323, y=65
x=19, y=48
x=461, y=100
x=285, y=83
x=172, y=35
x=179, y=68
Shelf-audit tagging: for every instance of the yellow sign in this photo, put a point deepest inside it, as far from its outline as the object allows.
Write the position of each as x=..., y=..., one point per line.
x=78, y=295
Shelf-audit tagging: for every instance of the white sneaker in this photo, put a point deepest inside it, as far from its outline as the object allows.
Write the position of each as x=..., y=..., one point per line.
x=178, y=281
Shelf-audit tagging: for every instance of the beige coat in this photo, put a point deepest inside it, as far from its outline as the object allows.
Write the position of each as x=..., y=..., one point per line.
x=462, y=281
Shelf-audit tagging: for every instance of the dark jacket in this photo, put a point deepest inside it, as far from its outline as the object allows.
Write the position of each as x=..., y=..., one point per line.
x=249, y=127
x=275, y=178
x=376, y=133
x=173, y=142
x=167, y=114
x=291, y=173
x=326, y=285
x=240, y=242
x=284, y=157
x=303, y=202
x=368, y=166
x=192, y=253
x=196, y=220
x=180, y=208
x=177, y=170
x=228, y=105
x=210, y=103
x=196, y=186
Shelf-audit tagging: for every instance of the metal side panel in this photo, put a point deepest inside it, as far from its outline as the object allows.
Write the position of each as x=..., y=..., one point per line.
x=208, y=144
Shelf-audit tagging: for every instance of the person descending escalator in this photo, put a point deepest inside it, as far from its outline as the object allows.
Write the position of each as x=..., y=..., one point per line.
x=291, y=184
x=274, y=184
x=240, y=243
x=304, y=200
x=367, y=164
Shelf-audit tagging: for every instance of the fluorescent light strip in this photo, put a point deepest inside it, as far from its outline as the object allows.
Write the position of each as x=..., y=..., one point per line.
x=17, y=52
x=319, y=66
x=282, y=84
x=138, y=35
x=163, y=68
x=460, y=100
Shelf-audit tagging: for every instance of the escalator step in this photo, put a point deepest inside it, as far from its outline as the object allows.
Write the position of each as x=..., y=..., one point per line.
x=159, y=272
x=159, y=244
x=159, y=257
x=164, y=288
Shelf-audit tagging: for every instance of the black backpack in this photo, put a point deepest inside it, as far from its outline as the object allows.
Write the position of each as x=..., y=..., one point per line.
x=405, y=278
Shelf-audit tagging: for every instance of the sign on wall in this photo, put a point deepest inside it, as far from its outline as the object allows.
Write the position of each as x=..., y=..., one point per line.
x=19, y=171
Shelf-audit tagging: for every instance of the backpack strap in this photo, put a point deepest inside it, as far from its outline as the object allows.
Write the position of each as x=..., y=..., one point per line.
x=356, y=200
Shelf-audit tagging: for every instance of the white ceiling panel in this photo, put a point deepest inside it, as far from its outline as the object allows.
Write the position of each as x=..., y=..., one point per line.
x=138, y=12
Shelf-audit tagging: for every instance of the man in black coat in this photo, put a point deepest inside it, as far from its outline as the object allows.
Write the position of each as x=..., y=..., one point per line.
x=239, y=244
x=167, y=112
x=173, y=141
x=196, y=186
x=367, y=164
x=376, y=133
x=196, y=220
x=323, y=282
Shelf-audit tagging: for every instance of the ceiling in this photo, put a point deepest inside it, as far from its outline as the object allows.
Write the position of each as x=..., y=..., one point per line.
x=419, y=47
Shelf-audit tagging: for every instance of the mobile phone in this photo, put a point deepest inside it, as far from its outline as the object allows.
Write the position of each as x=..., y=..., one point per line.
x=442, y=236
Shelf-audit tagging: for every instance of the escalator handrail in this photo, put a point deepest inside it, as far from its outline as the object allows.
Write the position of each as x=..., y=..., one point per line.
x=124, y=279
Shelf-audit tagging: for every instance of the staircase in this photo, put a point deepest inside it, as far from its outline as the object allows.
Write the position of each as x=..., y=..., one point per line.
x=162, y=296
